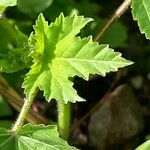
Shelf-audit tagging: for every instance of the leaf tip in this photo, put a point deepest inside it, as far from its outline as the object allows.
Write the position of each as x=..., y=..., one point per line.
x=61, y=15
x=130, y=62
x=40, y=18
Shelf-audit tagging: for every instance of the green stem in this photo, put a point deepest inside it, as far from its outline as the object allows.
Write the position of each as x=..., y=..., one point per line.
x=64, y=116
x=21, y=118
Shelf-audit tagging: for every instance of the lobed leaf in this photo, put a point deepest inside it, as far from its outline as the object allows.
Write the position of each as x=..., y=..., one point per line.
x=58, y=53
x=141, y=13
x=33, y=137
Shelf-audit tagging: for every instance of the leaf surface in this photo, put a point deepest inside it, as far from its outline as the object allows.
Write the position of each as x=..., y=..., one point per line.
x=16, y=58
x=141, y=13
x=33, y=7
x=33, y=137
x=58, y=53
x=6, y=3
x=144, y=146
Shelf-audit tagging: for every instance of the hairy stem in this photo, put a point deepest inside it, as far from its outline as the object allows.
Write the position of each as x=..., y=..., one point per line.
x=22, y=116
x=64, y=116
x=120, y=11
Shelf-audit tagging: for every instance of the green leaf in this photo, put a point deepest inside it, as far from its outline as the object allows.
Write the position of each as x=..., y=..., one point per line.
x=141, y=13
x=33, y=7
x=114, y=39
x=16, y=58
x=59, y=54
x=6, y=3
x=8, y=33
x=37, y=137
x=144, y=146
x=88, y=8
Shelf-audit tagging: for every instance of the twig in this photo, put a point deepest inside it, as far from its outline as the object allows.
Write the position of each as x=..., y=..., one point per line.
x=120, y=11
x=22, y=115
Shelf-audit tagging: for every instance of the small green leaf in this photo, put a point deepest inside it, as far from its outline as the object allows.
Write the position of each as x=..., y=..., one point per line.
x=6, y=3
x=141, y=13
x=59, y=54
x=37, y=137
x=144, y=146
